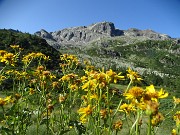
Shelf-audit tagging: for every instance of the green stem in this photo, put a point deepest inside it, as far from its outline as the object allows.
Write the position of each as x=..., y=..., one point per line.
x=109, y=113
x=128, y=86
x=121, y=99
x=3, y=69
x=99, y=109
x=149, y=126
x=137, y=123
x=47, y=117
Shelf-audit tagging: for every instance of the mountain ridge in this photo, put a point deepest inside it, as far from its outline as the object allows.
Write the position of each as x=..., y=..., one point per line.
x=85, y=34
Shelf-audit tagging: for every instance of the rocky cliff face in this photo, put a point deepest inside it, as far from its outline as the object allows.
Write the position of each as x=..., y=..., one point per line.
x=85, y=34
x=146, y=33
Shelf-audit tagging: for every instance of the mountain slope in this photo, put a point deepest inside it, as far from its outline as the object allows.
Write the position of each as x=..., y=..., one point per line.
x=150, y=53
x=30, y=43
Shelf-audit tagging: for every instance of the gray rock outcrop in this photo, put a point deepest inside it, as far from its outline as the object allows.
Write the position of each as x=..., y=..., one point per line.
x=146, y=33
x=85, y=34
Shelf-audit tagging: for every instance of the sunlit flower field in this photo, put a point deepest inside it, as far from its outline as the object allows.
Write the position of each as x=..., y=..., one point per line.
x=72, y=102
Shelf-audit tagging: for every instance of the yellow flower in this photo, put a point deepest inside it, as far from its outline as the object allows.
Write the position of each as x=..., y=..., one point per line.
x=91, y=84
x=55, y=84
x=31, y=91
x=134, y=93
x=162, y=94
x=62, y=97
x=5, y=100
x=84, y=112
x=152, y=107
x=176, y=100
x=127, y=108
x=40, y=68
x=50, y=107
x=46, y=73
x=3, y=52
x=68, y=77
x=152, y=94
x=94, y=96
x=173, y=132
x=29, y=57
x=133, y=75
x=2, y=102
x=177, y=118
x=104, y=113
x=102, y=85
x=73, y=87
x=156, y=119
x=70, y=60
x=114, y=76
x=2, y=78
x=84, y=79
x=117, y=125
x=141, y=105
x=8, y=58
x=14, y=46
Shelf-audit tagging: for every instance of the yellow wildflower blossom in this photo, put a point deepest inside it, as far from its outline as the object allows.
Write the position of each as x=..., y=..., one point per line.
x=8, y=58
x=132, y=75
x=104, y=113
x=2, y=53
x=2, y=102
x=152, y=107
x=156, y=119
x=62, y=97
x=94, y=96
x=68, y=77
x=84, y=112
x=55, y=84
x=73, y=87
x=114, y=77
x=176, y=100
x=14, y=46
x=177, y=118
x=91, y=84
x=5, y=100
x=127, y=108
x=152, y=94
x=31, y=91
x=117, y=125
x=2, y=78
x=173, y=132
x=29, y=57
x=134, y=93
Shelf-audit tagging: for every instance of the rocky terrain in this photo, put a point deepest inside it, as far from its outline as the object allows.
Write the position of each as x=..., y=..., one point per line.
x=86, y=34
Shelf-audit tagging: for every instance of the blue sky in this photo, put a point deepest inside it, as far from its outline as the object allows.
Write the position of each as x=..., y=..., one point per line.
x=162, y=16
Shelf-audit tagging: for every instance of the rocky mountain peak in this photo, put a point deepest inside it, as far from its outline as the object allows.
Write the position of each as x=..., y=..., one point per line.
x=103, y=28
x=44, y=34
x=84, y=34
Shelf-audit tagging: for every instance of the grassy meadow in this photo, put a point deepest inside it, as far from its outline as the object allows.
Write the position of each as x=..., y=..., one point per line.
x=80, y=99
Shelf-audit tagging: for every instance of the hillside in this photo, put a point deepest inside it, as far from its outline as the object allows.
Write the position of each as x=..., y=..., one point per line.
x=30, y=43
x=154, y=55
